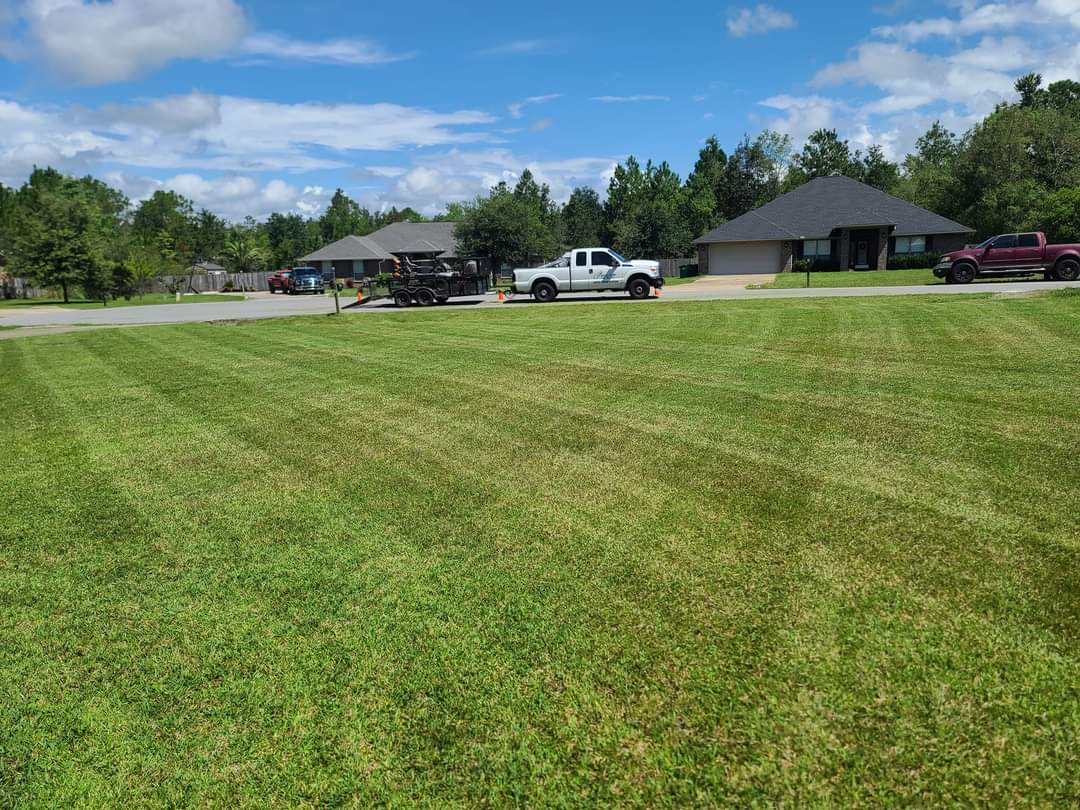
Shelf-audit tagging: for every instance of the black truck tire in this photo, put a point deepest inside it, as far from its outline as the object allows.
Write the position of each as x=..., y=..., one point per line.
x=639, y=288
x=963, y=273
x=425, y=297
x=402, y=298
x=544, y=291
x=1067, y=270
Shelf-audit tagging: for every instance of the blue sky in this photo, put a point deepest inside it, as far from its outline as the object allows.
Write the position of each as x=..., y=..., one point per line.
x=251, y=107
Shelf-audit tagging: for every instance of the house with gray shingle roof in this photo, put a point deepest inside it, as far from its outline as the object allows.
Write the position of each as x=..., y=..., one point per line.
x=356, y=256
x=835, y=219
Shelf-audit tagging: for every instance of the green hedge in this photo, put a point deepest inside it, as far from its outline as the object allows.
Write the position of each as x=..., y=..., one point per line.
x=816, y=265
x=913, y=261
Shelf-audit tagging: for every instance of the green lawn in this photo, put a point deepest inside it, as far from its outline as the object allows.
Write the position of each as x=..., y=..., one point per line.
x=813, y=552
x=857, y=278
x=146, y=300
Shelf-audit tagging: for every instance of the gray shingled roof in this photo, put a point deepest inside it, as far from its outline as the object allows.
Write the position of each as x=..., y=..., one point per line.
x=418, y=237
x=351, y=247
x=398, y=238
x=815, y=209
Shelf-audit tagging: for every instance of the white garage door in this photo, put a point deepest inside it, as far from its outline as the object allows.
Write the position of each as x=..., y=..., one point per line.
x=744, y=258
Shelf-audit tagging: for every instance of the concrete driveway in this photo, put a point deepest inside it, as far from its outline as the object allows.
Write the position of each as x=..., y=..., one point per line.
x=50, y=320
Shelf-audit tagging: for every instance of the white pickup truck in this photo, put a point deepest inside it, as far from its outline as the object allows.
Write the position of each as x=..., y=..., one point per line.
x=589, y=270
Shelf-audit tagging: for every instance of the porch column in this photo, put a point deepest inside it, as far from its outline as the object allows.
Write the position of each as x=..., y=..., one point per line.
x=845, y=249
x=787, y=251
x=883, y=248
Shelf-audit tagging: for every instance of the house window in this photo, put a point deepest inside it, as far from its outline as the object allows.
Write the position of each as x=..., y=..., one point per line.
x=910, y=244
x=817, y=248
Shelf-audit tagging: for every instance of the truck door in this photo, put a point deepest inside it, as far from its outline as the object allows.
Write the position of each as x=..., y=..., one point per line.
x=605, y=270
x=1001, y=253
x=581, y=272
x=1029, y=253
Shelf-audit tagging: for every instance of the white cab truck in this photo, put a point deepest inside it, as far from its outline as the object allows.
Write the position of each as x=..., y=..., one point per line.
x=589, y=270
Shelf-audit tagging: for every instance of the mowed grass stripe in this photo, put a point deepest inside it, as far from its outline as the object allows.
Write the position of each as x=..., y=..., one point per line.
x=551, y=571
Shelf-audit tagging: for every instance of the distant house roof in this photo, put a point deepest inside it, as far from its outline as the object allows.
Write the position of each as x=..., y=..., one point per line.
x=815, y=209
x=351, y=247
x=208, y=267
x=399, y=238
x=418, y=237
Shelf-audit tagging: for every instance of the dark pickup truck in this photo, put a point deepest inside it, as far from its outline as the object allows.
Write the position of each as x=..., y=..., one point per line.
x=1011, y=254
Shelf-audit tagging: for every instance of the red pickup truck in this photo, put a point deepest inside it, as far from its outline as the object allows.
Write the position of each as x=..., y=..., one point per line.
x=279, y=281
x=1011, y=254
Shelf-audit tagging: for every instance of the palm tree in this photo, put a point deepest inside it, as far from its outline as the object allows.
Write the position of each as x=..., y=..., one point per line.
x=243, y=253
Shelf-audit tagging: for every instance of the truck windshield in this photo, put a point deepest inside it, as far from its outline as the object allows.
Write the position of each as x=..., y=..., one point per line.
x=985, y=244
x=306, y=271
x=617, y=256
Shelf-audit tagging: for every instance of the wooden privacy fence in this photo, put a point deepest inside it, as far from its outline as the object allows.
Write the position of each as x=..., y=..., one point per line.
x=213, y=282
x=669, y=268
x=12, y=287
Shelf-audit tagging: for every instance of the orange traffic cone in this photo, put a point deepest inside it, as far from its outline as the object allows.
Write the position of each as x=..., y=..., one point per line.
x=359, y=296
x=657, y=291
x=501, y=296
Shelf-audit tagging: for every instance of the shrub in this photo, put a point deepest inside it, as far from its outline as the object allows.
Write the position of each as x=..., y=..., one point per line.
x=815, y=265
x=228, y=286
x=913, y=261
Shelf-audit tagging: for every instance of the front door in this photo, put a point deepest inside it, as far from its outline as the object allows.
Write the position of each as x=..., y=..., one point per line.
x=605, y=270
x=862, y=253
x=1001, y=253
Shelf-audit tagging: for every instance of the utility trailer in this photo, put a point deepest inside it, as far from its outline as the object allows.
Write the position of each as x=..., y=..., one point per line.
x=427, y=282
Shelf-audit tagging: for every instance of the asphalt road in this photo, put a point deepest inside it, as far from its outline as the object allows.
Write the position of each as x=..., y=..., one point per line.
x=263, y=305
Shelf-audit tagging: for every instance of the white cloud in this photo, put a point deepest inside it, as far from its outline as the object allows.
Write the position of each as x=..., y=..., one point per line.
x=517, y=47
x=759, y=19
x=912, y=79
x=628, y=99
x=331, y=52
x=116, y=40
x=804, y=114
x=974, y=18
x=1008, y=53
x=459, y=176
x=232, y=196
x=517, y=108
x=225, y=133
x=95, y=43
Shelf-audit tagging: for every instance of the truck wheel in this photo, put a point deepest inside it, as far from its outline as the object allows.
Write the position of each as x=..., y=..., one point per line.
x=402, y=298
x=425, y=297
x=1067, y=270
x=544, y=291
x=962, y=274
x=639, y=288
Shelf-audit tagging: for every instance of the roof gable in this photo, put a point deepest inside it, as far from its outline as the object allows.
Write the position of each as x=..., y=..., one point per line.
x=350, y=248
x=398, y=238
x=816, y=208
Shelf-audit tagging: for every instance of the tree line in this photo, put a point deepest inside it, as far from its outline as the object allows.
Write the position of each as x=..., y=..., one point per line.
x=1017, y=169
x=78, y=233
